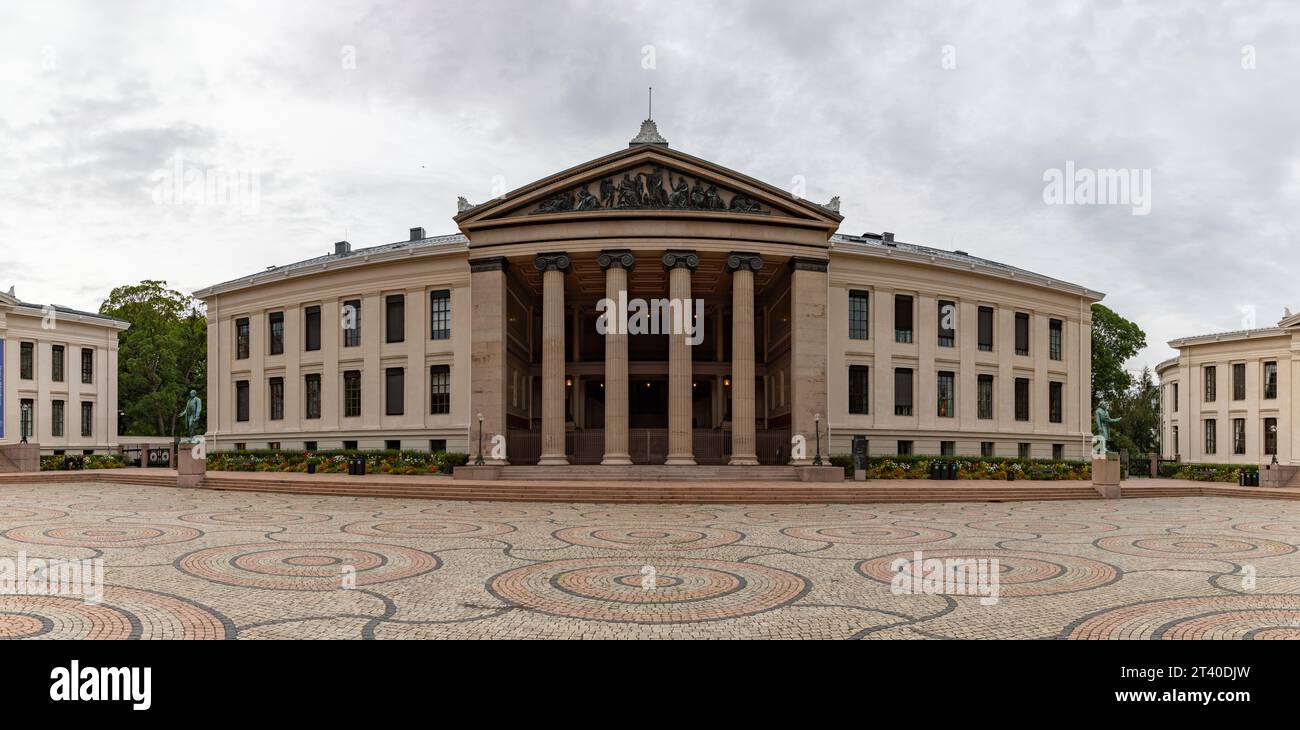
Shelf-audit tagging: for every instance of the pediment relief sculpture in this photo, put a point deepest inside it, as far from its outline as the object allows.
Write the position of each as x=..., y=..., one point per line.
x=649, y=188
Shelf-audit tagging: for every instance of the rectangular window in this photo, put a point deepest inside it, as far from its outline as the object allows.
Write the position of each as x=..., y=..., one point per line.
x=27, y=360
x=275, y=325
x=1175, y=397
x=1270, y=380
x=351, y=393
x=859, y=389
x=349, y=445
x=1054, y=402
x=394, y=401
x=902, y=391
x=986, y=448
x=26, y=418
x=984, y=397
x=1022, y=333
x=1054, y=329
x=241, y=400
x=1211, y=436
x=440, y=389
x=947, y=448
x=311, y=383
x=311, y=328
x=904, y=448
x=87, y=365
x=440, y=315
x=277, y=399
x=1239, y=381
x=902, y=318
x=1211, y=383
x=351, y=321
x=273, y=445
x=309, y=445
x=1238, y=435
x=946, y=396
x=985, y=334
x=1022, y=450
x=1058, y=452
x=436, y=445
x=859, y=315
x=1022, y=399
x=395, y=318
x=1270, y=436
x=393, y=445
x=56, y=418
x=1175, y=441
x=87, y=418
x=947, y=323
x=56, y=363
x=241, y=338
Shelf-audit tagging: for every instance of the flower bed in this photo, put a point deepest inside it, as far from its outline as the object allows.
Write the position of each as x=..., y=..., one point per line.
x=968, y=467
x=335, y=461
x=1207, y=472
x=87, y=461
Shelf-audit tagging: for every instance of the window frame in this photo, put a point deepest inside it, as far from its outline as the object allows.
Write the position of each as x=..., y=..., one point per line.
x=862, y=317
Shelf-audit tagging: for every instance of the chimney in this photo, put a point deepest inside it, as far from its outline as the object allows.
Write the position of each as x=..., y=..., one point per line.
x=887, y=236
x=342, y=248
x=417, y=234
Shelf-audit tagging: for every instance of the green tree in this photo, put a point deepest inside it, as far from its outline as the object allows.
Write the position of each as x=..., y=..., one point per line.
x=1138, y=409
x=160, y=358
x=1115, y=341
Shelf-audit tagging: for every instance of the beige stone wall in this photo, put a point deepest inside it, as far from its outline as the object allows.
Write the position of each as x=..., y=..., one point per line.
x=413, y=276
x=884, y=276
x=20, y=324
x=1192, y=410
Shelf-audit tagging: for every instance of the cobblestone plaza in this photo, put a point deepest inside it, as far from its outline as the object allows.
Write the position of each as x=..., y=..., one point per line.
x=220, y=565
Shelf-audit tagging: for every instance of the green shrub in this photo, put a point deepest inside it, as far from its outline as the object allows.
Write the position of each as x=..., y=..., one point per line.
x=915, y=466
x=1209, y=472
x=333, y=461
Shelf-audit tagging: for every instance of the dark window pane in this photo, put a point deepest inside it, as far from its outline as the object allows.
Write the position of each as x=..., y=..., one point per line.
x=277, y=399
x=1022, y=399
x=352, y=393
x=393, y=392
x=985, y=334
x=27, y=360
x=440, y=315
x=56, y=363
x=1270, y=436
x=241, y=400
x=1270, y=380
x=902, y=391
x=859, y=389
x=1022, y=333
x=1054, y=402
x=440, y=389
x=241, y=338
x=1054, y=328
x=1211, y=383
x=1211, y=436
x=312, y=395
x=311, y=328
x=87, y=418
x=350, y=319
x=859, y=315
x=395, y=318
x=87, y=365
x=902, y=318
x=984, y=397
x=56, y=418
x=947, y=315
x=1239, y=381
x=1238, y=435
x=946, y=404
x=275, y=325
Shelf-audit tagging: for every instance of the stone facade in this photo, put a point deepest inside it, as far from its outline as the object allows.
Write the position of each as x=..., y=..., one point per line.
x=766, y=359
x=58, y=378
x=1248, y=396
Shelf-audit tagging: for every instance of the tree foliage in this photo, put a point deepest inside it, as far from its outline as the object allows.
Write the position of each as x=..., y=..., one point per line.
x=160, y=358
x=1138, y=409
x=1115, y=341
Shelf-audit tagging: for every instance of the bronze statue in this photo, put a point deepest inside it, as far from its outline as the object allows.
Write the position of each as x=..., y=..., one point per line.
x=1103, y=427
x=607, y=193
x=193, y=411
x=681, y=197
x=655, y=195
x=586, y=201
x=629, y=193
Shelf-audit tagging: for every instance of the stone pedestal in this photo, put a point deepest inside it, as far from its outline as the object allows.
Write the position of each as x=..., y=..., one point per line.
x=485, y=473
x=24, y=457
x=189, y=470
x=1279, y=475
x=820, y=473
x=1106, y=475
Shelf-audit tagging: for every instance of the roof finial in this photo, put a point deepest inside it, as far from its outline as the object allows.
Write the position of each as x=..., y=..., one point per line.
x=650, y=104
x=649, y=133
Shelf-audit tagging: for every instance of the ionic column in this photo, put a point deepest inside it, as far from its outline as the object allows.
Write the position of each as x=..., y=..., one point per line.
x=681, y=435
x=616, y=265
x=552, y=266
x=744, y=451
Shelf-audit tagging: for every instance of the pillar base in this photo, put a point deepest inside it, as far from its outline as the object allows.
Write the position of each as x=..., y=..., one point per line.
x=686, y=460
x=553, y=461
x=743, y=461
x=616, y=460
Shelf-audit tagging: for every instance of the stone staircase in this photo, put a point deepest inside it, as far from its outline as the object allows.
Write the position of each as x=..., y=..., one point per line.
x=651, y=473
x=7, y=466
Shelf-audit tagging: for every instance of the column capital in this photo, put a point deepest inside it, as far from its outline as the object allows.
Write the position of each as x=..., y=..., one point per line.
x=737, y=260
x=803, y=263
x=552, y=262
x=619, y=257
x=678, y=258
x=495, y=263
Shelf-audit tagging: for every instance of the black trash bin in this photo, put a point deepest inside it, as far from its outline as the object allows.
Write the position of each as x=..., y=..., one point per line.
x=952, y=470
x=311, y=468
x=1241, y=478
x=936, y=470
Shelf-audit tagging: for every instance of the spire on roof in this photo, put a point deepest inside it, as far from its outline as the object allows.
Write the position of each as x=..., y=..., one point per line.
x=649, y=133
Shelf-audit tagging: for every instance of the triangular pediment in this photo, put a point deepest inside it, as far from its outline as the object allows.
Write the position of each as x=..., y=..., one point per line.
x=648, y=181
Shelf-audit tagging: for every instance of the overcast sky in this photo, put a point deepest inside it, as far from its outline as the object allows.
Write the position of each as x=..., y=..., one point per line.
x=937, y=121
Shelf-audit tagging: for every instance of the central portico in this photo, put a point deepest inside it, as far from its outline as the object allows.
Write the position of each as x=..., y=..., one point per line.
x=653, y=224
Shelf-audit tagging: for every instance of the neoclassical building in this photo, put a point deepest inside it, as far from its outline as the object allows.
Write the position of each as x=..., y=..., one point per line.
x=1228, y=398
x=749, y=321
x=58, y=377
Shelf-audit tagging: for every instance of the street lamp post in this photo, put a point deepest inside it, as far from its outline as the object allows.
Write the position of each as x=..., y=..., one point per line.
x=817, y=427
x=478, y=460
x=1273, y=430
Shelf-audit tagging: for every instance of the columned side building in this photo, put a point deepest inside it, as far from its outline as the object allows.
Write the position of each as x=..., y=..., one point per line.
x=750, y=322
x=1230, y=398
x=58, y=378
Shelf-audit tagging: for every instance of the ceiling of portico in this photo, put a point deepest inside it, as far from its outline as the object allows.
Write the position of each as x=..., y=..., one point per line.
x=648, y=278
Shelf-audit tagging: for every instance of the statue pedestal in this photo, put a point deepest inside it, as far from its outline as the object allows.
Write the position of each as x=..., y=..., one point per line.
x=1106, y=475
x=189, y=470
